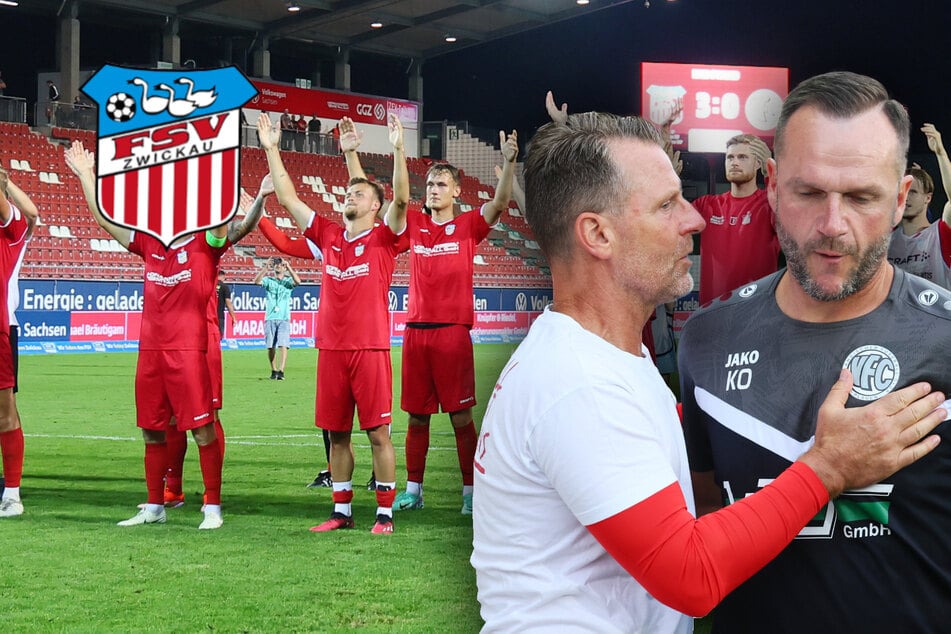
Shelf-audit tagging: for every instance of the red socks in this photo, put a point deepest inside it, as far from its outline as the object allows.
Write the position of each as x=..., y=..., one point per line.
x=417, y=444
x=11, y=446
x=385, y=498
x=176, y=445
x=220, y=434
x=345, y=497
x=156, y=461
x=466, y=439
x=209, y=456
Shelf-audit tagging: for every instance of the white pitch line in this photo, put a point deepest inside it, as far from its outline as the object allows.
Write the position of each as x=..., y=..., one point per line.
x=231, y=440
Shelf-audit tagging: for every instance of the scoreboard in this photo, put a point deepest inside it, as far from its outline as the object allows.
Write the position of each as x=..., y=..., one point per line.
x=718, y=101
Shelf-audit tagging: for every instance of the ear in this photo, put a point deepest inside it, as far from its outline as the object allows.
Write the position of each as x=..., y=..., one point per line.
x=772, y=178
x=903, y=186
x=594, y=234
x=457, y=190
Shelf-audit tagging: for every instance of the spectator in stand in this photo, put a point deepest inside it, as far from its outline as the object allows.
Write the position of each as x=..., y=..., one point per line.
x=313, y=134
x=287, y=131
x=53, y=94
x=917, y=246
x=335, y=138
x=300, y=134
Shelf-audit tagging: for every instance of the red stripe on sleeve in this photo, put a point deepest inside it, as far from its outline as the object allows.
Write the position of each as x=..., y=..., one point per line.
x=690, y=564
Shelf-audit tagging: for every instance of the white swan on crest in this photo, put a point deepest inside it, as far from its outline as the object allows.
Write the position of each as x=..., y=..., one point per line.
x=150, y=105
x=177, y=107
x=201, y=98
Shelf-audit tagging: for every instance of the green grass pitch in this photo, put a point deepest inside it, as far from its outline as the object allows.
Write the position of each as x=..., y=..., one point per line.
x=68, y=567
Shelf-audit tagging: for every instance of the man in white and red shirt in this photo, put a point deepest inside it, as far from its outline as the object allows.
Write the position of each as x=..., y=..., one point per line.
x=739, y=244
x=438, y=367
x=17, y=219
x=585, y=515
x=172, y=373
x=353, y=324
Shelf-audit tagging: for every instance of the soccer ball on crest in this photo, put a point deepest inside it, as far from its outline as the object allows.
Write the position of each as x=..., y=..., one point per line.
x=120, y=107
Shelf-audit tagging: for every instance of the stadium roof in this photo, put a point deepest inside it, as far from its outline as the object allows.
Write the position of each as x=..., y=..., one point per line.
x=415, y=29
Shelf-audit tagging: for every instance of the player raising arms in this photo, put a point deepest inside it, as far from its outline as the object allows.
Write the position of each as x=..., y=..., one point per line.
x=176, y=439
x=353, y=368
x=438, y=366
x=172, y=377
x=17, y=219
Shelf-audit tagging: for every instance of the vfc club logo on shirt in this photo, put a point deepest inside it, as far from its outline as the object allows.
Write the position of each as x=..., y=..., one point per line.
x=168, y=155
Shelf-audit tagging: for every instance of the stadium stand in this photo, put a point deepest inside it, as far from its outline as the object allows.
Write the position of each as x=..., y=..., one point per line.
x=69, y=245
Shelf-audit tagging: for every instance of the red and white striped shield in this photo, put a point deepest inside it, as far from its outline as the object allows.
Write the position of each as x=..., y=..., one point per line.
x=174, y=199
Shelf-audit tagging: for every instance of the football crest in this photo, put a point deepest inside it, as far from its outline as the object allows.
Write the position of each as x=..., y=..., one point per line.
x=168, y=148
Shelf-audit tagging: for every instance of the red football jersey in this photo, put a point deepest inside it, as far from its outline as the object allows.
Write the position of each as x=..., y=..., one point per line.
x=440, y=265
x=179, y=283
x=738, y=245
x=12, y=245
x=355, y=285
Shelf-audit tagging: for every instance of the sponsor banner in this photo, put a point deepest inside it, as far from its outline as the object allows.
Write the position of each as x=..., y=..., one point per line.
x=258, y=344
x=44, y=326
x=80, y=296
x=121, y=346
x=329, y=104
x=533, y=300
x=107, y=316
x=397, y=325
x=250, y=325
x=98, y=327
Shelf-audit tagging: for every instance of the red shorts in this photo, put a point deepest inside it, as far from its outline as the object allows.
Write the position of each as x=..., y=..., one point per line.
x=348, y=379
x=7, y=365
x=438, y=370
x=214, y=367
x=172, y=383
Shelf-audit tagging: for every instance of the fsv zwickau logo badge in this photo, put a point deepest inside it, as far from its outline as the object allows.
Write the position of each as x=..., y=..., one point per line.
x=168, y=159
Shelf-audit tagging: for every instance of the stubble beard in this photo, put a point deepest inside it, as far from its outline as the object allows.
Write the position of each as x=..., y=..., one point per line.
x=869, y=262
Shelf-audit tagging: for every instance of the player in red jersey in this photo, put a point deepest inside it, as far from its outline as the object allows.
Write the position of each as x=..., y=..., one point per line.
x=172, y=376
x=176, y=440
x=740, y=243
x=353, y=326
x=17, y=219
x=438, y=367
